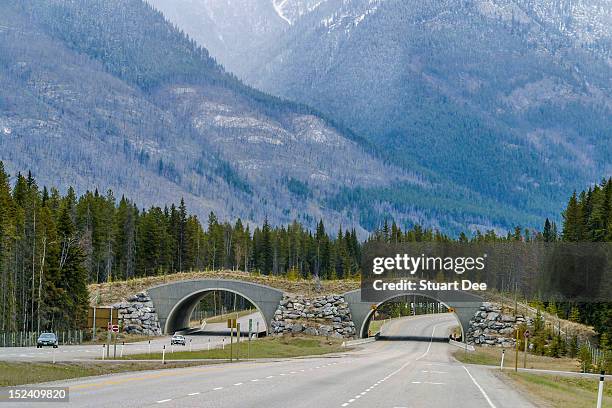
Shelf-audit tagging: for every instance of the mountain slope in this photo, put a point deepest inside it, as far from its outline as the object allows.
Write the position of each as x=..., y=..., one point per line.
x=108, y=93
x=509, y=99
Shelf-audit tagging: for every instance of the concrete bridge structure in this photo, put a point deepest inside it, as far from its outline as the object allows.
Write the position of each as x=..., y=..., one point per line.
x=174, y=302
x=464, y=305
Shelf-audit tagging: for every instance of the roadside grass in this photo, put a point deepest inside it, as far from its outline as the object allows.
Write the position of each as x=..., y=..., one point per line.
x=232, y=315
x=375, y=326
x=561, y=392
x=492, y=356
x=269, y=347
x=17, y=373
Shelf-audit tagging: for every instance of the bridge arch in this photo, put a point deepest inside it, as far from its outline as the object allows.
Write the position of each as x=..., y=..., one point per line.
x=465, y=305
x=174, y=302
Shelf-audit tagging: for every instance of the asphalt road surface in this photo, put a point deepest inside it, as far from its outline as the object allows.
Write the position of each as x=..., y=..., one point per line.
x=380, y=374
x=214, y=335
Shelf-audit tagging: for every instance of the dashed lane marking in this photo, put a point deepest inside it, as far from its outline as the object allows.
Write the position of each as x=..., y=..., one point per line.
x=400, y=369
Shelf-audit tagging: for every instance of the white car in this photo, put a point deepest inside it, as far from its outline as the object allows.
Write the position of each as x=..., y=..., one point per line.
x=178, y=339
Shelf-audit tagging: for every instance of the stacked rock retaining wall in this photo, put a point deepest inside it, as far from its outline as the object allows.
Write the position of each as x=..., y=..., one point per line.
x=318, y=316
x=138, y=315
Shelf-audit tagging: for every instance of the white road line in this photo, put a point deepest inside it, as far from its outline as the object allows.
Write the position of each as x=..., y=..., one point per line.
x=254, y=380
x=480, y=388
x=398, y=370
x=237, y=384
x=162, y=401
x=217, y=388
x=193, y=393
x=271, y=376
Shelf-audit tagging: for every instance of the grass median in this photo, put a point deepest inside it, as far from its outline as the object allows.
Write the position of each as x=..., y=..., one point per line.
x=269, y=347
x=18, y=373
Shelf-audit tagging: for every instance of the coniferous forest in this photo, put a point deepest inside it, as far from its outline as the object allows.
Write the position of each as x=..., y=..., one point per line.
x=52, y=246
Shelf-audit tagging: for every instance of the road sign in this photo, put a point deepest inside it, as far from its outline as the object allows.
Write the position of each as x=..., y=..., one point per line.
x=451, y=310
x=526, y=334
x=373, y=307
x=115, y=328
x=231, y=323
x=250, y=325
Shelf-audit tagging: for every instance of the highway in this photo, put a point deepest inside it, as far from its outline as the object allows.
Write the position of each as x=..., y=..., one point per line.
x=380, y=374
x=214, y=334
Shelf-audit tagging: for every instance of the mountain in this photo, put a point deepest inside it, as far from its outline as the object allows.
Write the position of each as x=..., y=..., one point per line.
x=498, y=101
x=108, y=93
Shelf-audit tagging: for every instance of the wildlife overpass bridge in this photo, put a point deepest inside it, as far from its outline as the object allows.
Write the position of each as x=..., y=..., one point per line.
x=174, y=302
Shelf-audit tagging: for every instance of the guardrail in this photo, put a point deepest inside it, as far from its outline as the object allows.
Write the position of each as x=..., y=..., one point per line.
x=358, y=341
x=461, y=345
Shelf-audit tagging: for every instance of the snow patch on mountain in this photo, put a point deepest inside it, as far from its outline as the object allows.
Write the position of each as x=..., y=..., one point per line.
x=278, y=7
x=292, y=10
x=350, y=15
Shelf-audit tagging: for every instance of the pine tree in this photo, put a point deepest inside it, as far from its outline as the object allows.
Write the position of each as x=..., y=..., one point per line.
x=572, y=220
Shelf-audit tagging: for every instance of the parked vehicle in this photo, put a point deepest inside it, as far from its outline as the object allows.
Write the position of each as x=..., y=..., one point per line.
x=178, y=339
x=46, y=339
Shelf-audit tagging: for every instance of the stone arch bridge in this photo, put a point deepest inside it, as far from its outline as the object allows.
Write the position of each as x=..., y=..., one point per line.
x=174, y=302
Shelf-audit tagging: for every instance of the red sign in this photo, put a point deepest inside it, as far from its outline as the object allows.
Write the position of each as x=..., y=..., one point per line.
x=113, y=327
x=526, y=334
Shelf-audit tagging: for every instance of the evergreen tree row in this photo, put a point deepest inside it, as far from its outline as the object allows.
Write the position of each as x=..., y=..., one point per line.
x=53, y=245
x=588, y=218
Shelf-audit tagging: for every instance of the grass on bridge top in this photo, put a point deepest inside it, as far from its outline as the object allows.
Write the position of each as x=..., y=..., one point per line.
x=112, y=292
x=268, y=347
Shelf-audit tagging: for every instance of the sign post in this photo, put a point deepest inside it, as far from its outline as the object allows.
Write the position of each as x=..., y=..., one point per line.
x=237, y=341
x=600, y=389
x=231, y=324
x=516, y=351
x=249, y=344
x=527, y=334
x=501, y=367
x=115, y=330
